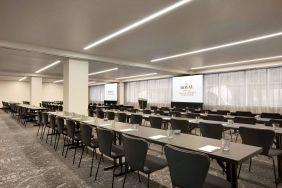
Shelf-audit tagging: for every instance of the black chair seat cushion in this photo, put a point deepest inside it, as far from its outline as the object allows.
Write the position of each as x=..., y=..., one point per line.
x=117, y=151
x=153, y=164
x=274, y=152
x=216, y=182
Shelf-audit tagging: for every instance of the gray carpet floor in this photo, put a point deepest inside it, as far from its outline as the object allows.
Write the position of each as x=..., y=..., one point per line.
x=26, y=161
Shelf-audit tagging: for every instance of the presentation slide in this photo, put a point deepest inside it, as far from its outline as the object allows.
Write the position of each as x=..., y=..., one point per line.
x=111, y=92
x=187, y=89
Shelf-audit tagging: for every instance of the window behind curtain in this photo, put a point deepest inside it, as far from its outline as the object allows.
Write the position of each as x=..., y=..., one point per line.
x=157, y=92
x=97, y=93
x=258, y=90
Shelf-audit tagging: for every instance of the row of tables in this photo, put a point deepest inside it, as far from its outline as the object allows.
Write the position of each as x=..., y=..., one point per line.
x=237, y=154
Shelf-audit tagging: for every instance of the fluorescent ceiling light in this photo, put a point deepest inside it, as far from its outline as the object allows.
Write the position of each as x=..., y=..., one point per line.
x=237, y=62
x=91, y=82
x=23, y=78
x=136, y=76
x=218, y=47
x=138, y=23
x=102, y=83
x=48, y=66
x=58, y=81
x=103, y=71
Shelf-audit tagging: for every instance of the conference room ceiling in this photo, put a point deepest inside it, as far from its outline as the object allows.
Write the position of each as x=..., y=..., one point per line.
x=71, y=25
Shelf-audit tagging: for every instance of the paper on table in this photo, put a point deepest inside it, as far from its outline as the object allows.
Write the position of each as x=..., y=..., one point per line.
x=88, y=121
x=157, y=137
x=76, y=118
x=209, y=148
x=103, y=125
x=126, y=130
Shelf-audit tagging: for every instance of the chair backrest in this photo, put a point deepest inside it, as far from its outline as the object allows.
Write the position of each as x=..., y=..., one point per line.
x=52, y=121
x=276, y=121
x=223, y=112
x=60, y=124
x=180, y=124
x=105, y=140
x=45, y=118
x=121, y=117
x=187, y=168
x=132, y=110
x=146, y=111
x=214, y=118
x=154, y=108
x=156, y=122
x=90, y=112
x=86, y=134
x=244, y=113
x=164, y=109
x=257, y=137
x=110, y=115
x=136, y=119
x=135, y=150
x=245, y=120
x=271, y=115
x=192, y=115
x=176, y=113
x=70, y=128
x=100, y=114
x=211, y=130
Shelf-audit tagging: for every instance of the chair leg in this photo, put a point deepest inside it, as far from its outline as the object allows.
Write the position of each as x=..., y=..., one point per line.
x=67, y=148
x=47, y=135
x=274, y=170
x=139, y=176
x=64, y=145
x=38, y=129
x=250, y=165
x=74, y=155
x=58, y=142
x=98, y=167
x=114, y=174
x=148, y=182
x=81, y=156
x=126, y=169
x=239, y=171
x=93, y=152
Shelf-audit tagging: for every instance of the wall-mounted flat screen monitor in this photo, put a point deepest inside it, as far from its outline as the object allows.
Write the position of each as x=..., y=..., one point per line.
x=111, y=92
x=187, y=89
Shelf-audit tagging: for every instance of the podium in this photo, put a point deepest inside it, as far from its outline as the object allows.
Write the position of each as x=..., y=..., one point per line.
x=142, y=103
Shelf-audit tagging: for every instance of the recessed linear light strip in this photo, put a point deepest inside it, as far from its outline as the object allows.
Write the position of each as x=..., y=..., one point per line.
x=48, y=66
x=138, y=23
x=103, y=71
x=219, y=47
x=237, y=62
x=23, y=78
x=136, y=76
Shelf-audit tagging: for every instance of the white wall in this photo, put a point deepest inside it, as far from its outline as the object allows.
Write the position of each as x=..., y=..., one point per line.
x=14, y=91
x=52, y=92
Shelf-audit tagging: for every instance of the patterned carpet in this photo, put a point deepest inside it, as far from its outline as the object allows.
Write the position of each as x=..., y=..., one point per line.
x=26, y=161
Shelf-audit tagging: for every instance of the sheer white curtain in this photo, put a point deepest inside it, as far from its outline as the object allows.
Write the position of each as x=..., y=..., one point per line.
x=258, y=90
x=157, y=92
x=97, y=93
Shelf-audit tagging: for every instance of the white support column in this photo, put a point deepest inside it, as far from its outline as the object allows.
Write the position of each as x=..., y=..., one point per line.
x=76, y=86
x=35, y=91
x=121, y=93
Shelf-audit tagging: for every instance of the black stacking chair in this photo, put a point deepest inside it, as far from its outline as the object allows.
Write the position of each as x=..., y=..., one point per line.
x=137, y=159
x=121, y=117
x=146, y=111
x=154, y=108
x=214, y=118
x=270, y=115
x=192, y=115
x=274, y=121
x=260, y=138
x=89, y=142
x=39, y=122
x=136, y=119
x=180, y=124
x=176, y=113
x=156, y=122
x=245, y=120
x=244, y=113
x=223, y=112
x=106, y=147
x=46, y=124
x=73, y=138
x=110, y=115
x=53, y=127
x=132, y=110
x=90, y=112
x=62, y=130
x=100, y=114
x=190, y=169
x=211, y=130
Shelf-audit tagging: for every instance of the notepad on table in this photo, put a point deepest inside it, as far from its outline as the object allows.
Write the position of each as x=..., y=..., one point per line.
x=76, y=118
x=103, y=125
x=88, y=121
x=157, y=137
x=126, y=130
x=209, y=148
